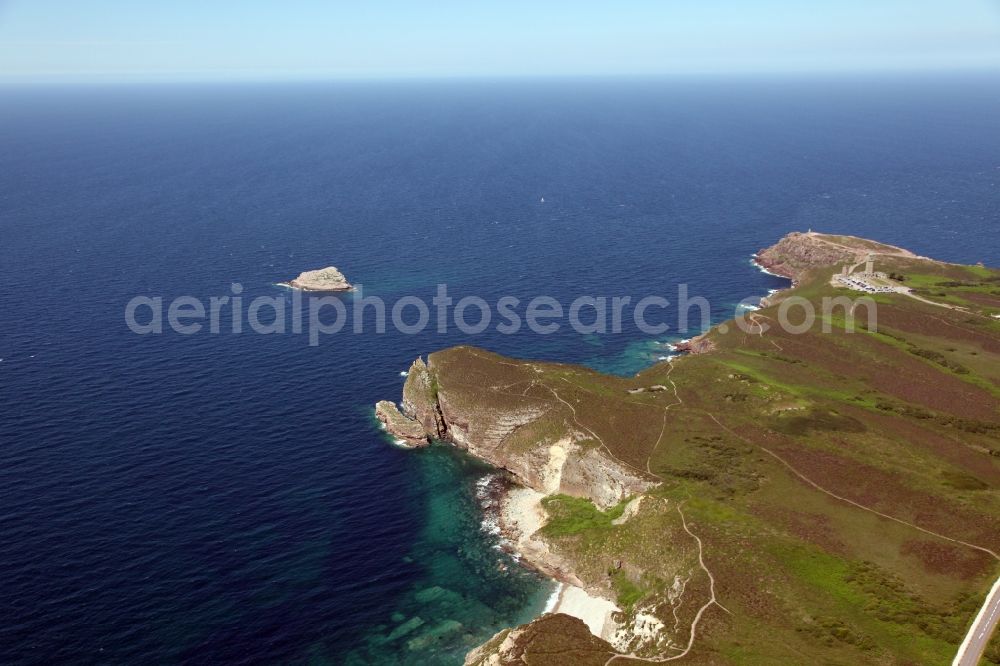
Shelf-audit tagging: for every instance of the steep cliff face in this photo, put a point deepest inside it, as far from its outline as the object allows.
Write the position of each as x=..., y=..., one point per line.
x=420, y=400
x=798, y=253
x=724, y=556
x=700, y=344
x=531, y=432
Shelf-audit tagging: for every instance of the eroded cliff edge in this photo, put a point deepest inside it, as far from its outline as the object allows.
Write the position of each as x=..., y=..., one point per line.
x=834, y=494
x=507, y=417
x=800, y=252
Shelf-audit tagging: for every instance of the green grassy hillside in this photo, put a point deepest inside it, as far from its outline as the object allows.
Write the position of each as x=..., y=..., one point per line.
x=845, y=485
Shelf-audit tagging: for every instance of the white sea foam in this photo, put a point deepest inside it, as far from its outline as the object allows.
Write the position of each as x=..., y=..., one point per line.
x=673, y=345
x=550, y=603
x=746, y=306
x=482, y=483
x=756, y=264
x=404, y=373
x=490, y=523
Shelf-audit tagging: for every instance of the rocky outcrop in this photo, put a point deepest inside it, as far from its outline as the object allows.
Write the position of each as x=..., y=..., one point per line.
x=798, y=253
x=532, y=437
x=323, y=279
x=700, y=344
x=397, y=424
x=420, y=400
x=553, y=640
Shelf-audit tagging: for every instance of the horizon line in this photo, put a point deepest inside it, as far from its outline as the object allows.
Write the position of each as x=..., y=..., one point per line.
x=273, y=77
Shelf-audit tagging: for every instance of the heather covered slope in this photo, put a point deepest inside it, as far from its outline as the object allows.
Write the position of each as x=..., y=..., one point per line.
x=842, y=489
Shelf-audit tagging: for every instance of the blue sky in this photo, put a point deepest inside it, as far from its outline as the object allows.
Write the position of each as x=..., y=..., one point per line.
x=306, y=39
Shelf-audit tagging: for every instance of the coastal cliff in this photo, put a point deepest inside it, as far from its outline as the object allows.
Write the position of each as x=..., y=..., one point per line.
x=798, y=253
x=765, y=496
x=700, y=344
x=453, y=397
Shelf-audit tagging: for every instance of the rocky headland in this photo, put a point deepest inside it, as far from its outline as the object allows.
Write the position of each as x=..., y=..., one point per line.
x=800, y=252
x=521, y=436
x=755, y=499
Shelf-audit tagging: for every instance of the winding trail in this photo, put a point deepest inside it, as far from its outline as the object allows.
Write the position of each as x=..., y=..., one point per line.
x=977, y=634
x=594, y=434
x=663, y=428
x=697, y=618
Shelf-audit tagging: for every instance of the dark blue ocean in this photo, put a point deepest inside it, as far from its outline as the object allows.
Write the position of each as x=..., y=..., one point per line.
x=228, y=498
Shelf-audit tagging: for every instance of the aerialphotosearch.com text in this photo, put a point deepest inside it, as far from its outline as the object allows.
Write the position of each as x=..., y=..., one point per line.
x=317, y=315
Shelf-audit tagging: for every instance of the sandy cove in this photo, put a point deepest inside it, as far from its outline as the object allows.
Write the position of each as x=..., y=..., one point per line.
x=521, y=516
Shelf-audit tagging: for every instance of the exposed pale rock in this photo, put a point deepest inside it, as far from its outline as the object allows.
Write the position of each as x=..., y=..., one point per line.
x=323, y=279
x=629, y=511
x=483, y=424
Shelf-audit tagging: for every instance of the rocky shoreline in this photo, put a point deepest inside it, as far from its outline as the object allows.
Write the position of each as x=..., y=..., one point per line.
x=511, y=499
x=514, y=514
x=408, y=432
x=521, y=516
x=327, y=279
x=554, y=430
x=566, y=465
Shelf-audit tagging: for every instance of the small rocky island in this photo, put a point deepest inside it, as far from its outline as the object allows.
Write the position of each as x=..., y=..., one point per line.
x=323, y=279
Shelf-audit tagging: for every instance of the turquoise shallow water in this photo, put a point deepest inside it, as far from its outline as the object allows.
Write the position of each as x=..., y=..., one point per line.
x=469, y=588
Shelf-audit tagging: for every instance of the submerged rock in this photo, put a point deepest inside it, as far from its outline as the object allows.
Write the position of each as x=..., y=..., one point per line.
x=405, y=628
x=438, y=594
x=435, y=633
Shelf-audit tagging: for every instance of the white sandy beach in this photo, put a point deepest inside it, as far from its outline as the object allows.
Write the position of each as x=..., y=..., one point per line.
x=521, y=516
